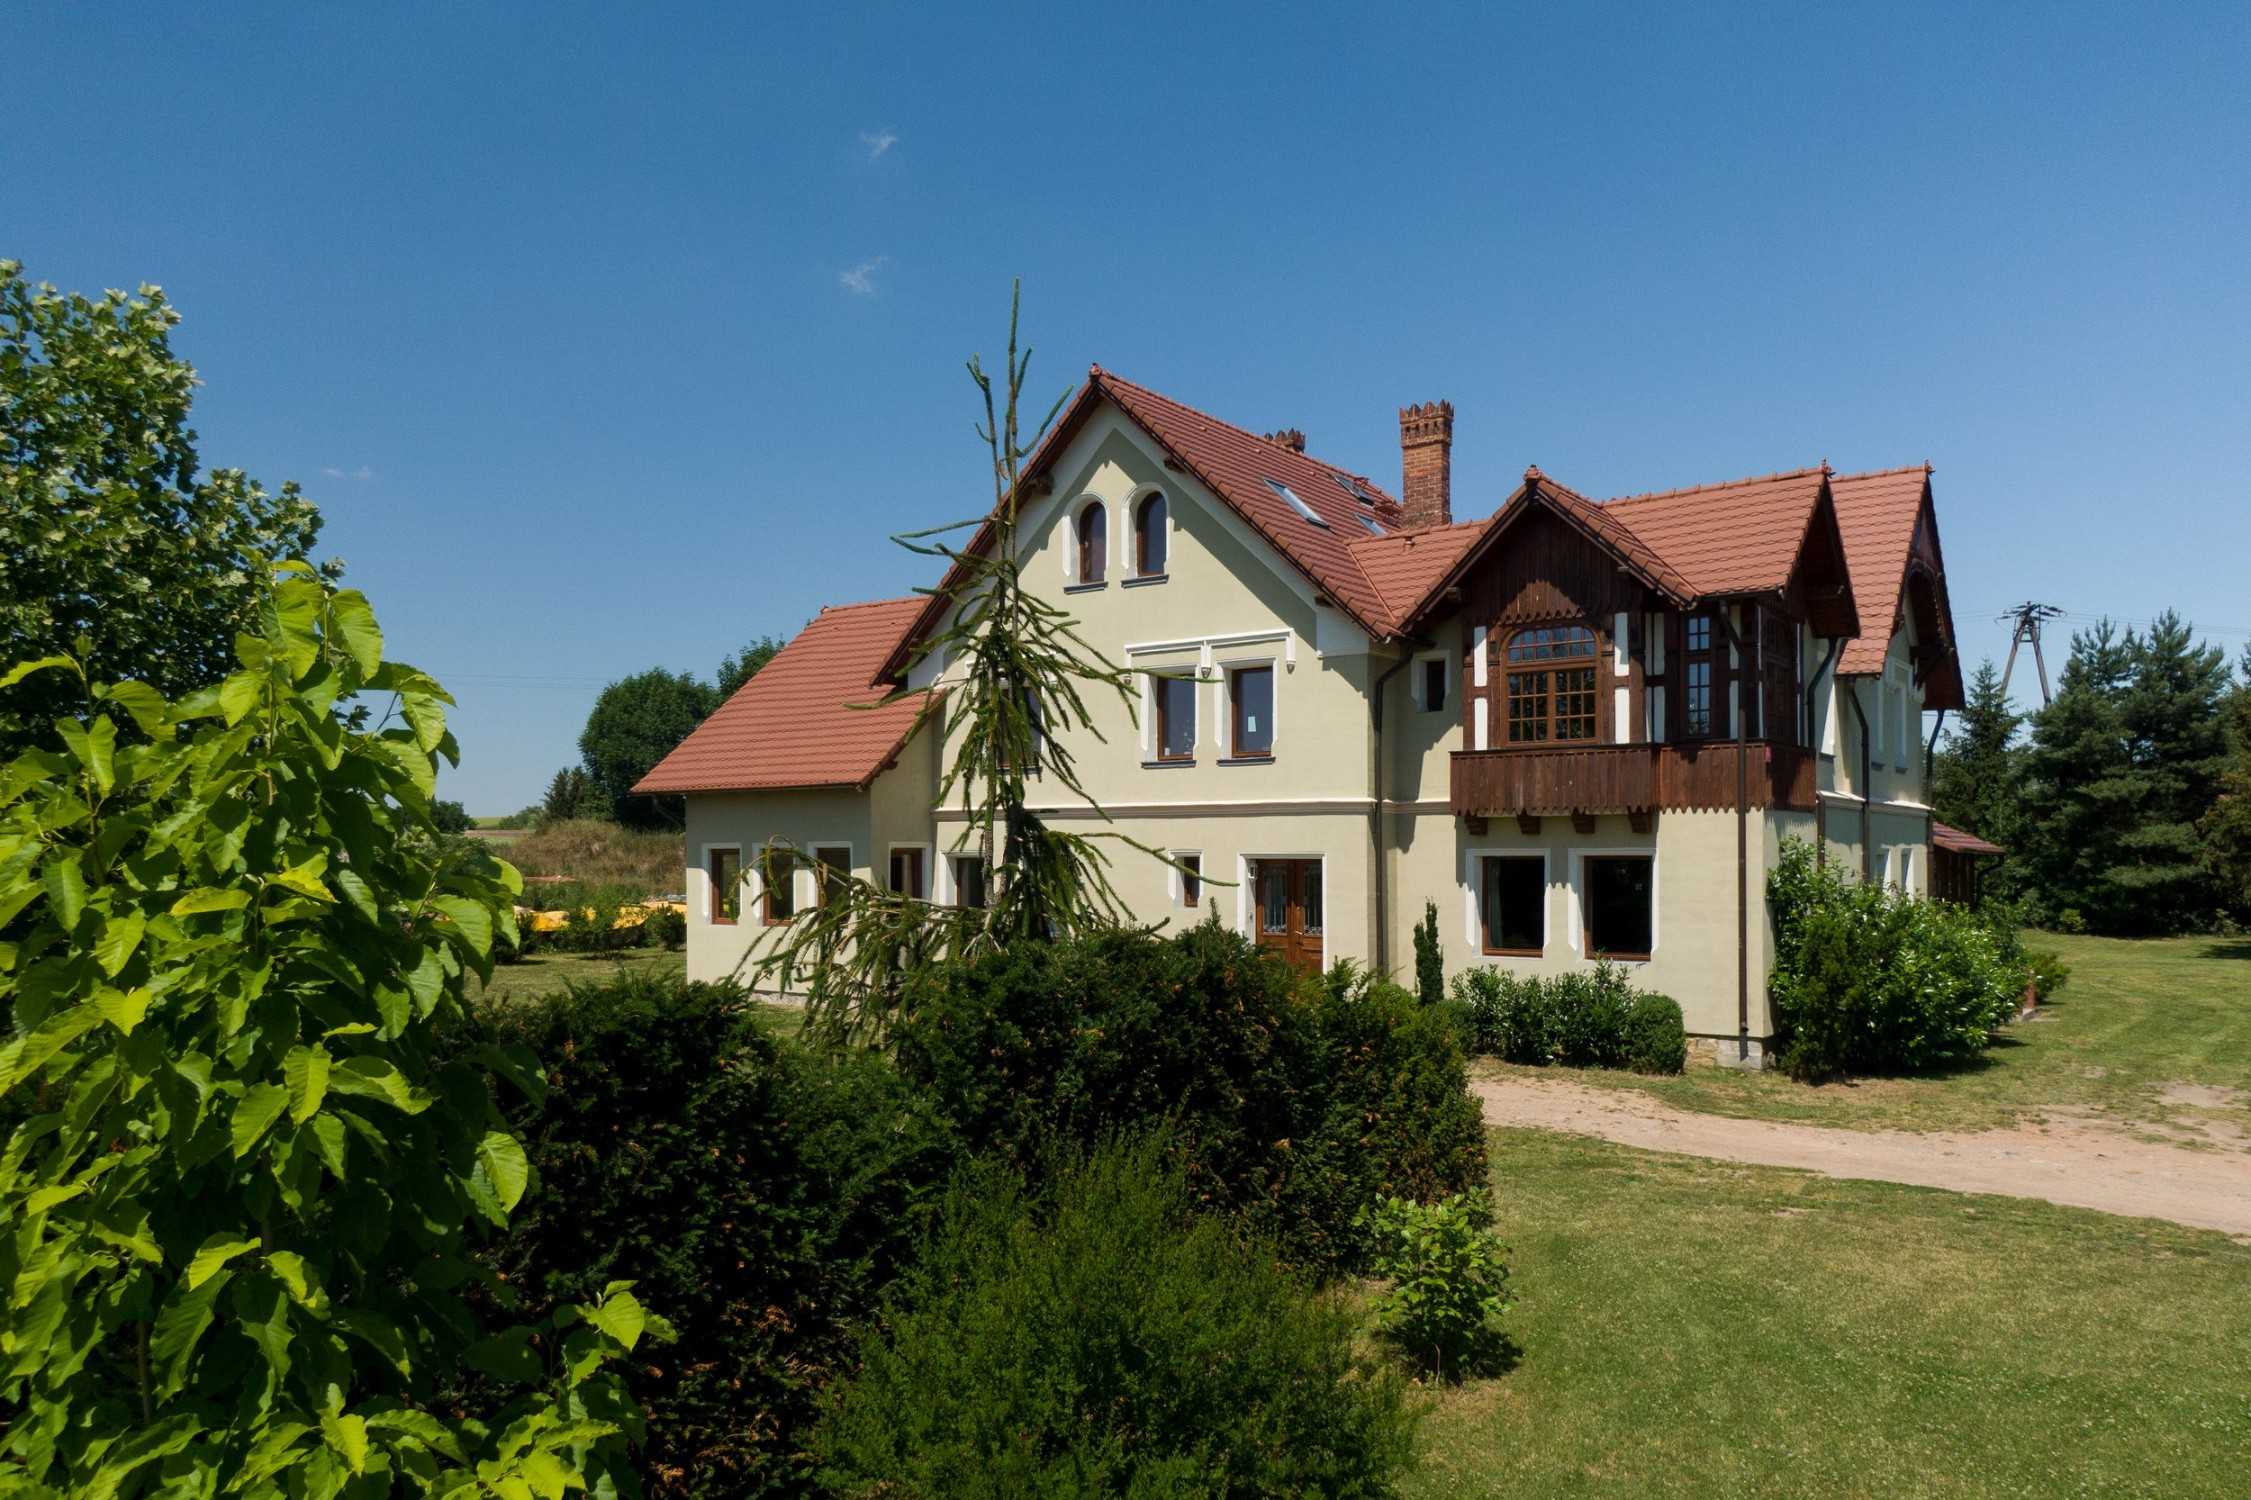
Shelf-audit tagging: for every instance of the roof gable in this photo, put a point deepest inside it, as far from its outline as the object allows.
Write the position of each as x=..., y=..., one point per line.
x=1889, y=522
x=793, y=724
x=1743, y=536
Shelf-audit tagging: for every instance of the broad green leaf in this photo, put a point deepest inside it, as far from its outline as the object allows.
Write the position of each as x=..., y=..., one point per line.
x=426, y=981
x=23, y=669
x=257, y=1111
x=66, y=887
x=419, y=1427
x=95, y=745
x=354, y=625
x=27, y=1054
x=426, y=713
x=304, y=1073
x=377, y=1078
x=502, y=1157
x=619, y=1315
x=380, y=1334
x=120, y=936
x=145, y=704
x=124, y=1009
x=214, y=1253
x=238, y=695
x=357, y=892
x=180, y=1325
x=209, y=899
x=47, y=1197
x=304, y=878
x=297, y=1277
x=473, y=920
x=347, y=1435
x=328, y=1140
x=506, y=1356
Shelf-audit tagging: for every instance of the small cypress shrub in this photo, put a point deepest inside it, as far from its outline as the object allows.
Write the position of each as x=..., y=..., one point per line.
x=1656, y=1040
x=1091, y=1334
x=1430, y=959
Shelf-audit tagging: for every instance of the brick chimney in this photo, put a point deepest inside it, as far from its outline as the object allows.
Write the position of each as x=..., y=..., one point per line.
x=1289, y=437
x=1426, y=461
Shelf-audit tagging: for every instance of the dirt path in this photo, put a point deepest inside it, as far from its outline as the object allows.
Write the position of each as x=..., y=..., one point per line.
x=2081, y=1164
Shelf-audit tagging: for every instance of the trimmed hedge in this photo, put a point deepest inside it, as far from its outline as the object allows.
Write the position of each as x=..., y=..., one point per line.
x=1594, y=1019
x=1093, y=1334
x=1294, y=1102
x=1869, y=979
x=761, y=1198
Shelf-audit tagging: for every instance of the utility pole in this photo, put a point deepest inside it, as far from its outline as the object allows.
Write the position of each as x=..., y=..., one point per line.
x=2028, y=618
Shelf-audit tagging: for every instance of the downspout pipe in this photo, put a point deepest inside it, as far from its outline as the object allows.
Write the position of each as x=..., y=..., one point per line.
x=1813, y=738
x=1866, y=788
x=1930, y=752
x=1741, y=676
x=1381, y=834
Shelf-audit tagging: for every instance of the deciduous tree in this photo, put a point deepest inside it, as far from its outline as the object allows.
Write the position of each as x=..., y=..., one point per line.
x=636, y=723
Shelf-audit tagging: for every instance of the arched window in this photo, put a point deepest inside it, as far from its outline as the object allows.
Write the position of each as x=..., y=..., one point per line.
x=1094, y=542
x=1149, y=536
x=1551, y=685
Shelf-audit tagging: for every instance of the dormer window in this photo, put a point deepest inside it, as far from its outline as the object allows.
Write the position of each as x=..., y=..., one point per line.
x=1149, y=537
x=1094, y=542
x=1551, y=693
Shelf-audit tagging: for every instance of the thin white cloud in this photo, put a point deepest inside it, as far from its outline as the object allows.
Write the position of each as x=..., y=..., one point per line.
x=878, y=141
x=363, y=472
x=860, y=279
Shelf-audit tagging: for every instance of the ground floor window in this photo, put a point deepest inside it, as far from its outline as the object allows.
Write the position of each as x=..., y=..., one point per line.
x=1513, y=903
x=780, y=871
x=1621, y=905
x=834, y=866
x=906, y=873
x=725, y=867
x=969, y=880
x=1191, y=879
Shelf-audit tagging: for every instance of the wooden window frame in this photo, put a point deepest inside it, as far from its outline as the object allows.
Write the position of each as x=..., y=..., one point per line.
x=954, y=864
x=1189, y=877
x=921, y=865
x=1693, y=657
x=1160, y=716
x=1549, y=670
x=1235, y=750
x=1141, y=509
x=713, y=885
x=1090, y=535
x=1486, y=859
x=766, y=884
x=821, y=868
x=1587, y=863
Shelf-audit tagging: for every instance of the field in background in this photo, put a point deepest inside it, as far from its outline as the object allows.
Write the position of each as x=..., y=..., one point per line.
x=549, y=972
x=2148, y=1032
x=1690, y=1327
x=594, y=853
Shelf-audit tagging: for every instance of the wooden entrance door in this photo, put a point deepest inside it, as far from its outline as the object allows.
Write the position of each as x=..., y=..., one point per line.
x=1289, y=910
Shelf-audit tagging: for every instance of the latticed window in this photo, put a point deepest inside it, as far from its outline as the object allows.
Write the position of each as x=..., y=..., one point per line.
x=1696, y=700
x=1551, y=693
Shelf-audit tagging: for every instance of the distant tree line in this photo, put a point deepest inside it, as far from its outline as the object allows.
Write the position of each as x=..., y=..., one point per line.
x=2125, y=804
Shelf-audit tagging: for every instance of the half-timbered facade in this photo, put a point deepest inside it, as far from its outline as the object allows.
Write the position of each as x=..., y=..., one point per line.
x=1580, y=729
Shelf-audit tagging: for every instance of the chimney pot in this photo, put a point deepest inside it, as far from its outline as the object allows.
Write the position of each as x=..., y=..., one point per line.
x=1426, y=461
x=1289, y=437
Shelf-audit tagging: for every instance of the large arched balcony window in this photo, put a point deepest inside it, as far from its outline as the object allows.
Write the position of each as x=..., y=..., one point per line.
x=1149, y=537
x=1551, y=693
x=1094, y=542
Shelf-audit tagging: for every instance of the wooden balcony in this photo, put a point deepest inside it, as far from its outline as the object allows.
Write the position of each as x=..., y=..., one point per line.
x=1536, y=780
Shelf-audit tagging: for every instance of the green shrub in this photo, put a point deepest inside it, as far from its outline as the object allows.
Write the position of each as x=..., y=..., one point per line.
x=1430, y=958
x=1868, y=979
x=2049, y=971
x=665, y=927
x=1589, y=1010
x=1295, y=1102
x=762, y=1195
x=1447, y=1279
x=1096, y=1337
x=1656, y=1039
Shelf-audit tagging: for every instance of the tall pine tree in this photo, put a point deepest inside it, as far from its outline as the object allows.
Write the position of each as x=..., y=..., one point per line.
x=1974, y=782
x=2079, y=787
x=2226, y=828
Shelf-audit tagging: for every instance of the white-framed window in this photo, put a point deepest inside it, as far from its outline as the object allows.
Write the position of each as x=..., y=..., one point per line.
x=723, y=884
x=1086, y=543
x=965, y=879
x=1433, y=681
x=1169, y=714
x=908, y=871
x=832, y=865
x=1249, y=691
x=1901, y=718
x=1152, y=535
x=1505, y=901
x=1614, y=903
x=1186, y=879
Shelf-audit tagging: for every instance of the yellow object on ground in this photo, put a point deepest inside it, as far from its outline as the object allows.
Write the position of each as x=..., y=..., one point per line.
x=628, y=916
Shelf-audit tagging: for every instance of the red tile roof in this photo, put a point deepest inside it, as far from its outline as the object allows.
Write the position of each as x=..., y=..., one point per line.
x=1957, y=841
x=792, y=725
x=1877, y=513
x=1405, y=566
x=1740, y=537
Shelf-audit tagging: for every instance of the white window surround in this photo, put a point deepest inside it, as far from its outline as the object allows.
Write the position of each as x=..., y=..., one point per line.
x=1477, y=656
x=813, y=860
x=1473, y=880
x=1246, y=897
x=1621, y=627
x=942, y=892
x=1576, y=905
x=710, y=903
x=1416, y=688
x=1149, y=676
x=1481, y=726
x=1133, y=531
x=929, y=872
x=1224, y=719
x=1070, y=547
x=1174, y=879
x=1205, y=645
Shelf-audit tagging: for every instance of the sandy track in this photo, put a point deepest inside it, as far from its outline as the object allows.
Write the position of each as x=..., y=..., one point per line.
x=2083, y=1165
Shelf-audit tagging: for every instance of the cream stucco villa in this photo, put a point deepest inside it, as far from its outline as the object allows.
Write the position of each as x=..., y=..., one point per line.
x=1580, y=728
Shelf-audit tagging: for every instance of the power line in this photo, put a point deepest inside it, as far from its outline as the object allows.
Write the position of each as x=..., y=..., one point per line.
x=2028, y=618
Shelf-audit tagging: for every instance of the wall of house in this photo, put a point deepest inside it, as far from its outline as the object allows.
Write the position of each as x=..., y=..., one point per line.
x=1898, y=813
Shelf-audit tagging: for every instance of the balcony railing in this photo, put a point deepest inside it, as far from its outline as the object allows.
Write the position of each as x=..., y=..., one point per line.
x=1629, y=778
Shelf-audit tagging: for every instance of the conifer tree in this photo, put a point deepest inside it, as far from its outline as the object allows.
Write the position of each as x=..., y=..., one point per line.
x=1974, y=784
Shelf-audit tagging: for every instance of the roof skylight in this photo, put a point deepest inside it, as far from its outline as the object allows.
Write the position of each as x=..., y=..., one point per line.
x=1370, y=523
x=1296, y=504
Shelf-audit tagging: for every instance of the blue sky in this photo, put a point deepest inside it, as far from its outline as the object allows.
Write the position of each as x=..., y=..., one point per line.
x=616, y=336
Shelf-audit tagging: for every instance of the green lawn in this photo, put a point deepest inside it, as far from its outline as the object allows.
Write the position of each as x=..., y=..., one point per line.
x=546, y=973
x=2137, y=1020
x=1694, y=1328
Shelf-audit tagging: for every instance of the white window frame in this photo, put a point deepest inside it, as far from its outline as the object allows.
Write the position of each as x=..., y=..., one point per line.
x=813, y=861
x=1224, y=741
x=942, y=885
x=1578, y=902
x=711, y=891
x=1445, y=659
x=1473, y=901
x=1133, y=531
x=1070, y=549
x=1196, y=675
x=1176, y=882
x=929, y=871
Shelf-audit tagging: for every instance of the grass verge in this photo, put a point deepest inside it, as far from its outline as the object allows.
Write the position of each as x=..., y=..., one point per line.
x=548, y=973
x=1696, y=1328
x=2139, y=1019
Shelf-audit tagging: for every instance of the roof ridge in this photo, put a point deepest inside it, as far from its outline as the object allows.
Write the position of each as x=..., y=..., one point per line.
x=1925, y=467
x=1720, y=484
x=1114, y=378
x=870, y=603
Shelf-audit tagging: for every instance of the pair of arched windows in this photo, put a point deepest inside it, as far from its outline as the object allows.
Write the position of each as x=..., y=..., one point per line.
x=1148, y=539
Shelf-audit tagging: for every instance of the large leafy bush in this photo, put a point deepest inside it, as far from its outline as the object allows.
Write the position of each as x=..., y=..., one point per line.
x=1094, y=1337
x=1445, y=1275
x=1294, y=1102
x=1589, y=1019
x=1869, y=979
x=763, y=1195
x=238, y=1195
